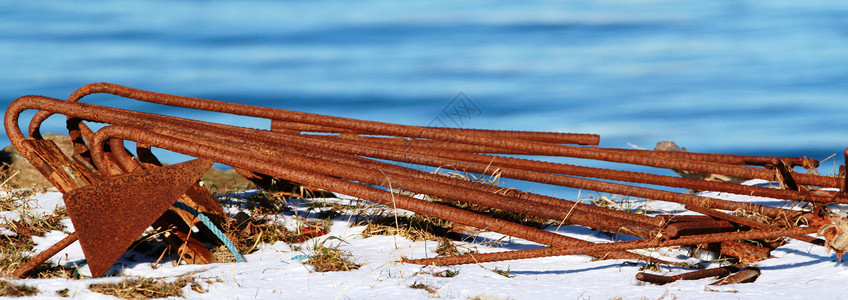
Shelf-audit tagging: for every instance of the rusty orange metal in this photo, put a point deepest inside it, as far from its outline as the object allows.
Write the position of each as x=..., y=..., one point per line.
x=110, y=215
x=106, y=186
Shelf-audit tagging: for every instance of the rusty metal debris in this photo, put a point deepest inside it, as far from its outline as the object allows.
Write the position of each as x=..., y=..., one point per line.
x=749, y=274
x=694, y=275
x=112, y=194
x=127, y=205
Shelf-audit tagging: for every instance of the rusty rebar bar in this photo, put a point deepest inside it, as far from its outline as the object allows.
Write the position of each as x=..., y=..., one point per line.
x=746, y=275
x=357, y=162
x=694, y=275
x=538, y=136
x=297, y=122
x=694, y=228
x=819, y=196
x=91, y=110
x=745, y=252
x=750, y=223
x=442, y=134
x=44, y=256
x=373, y=172
x=695, y=184
x=100, y=111
x=274, y=167
x=640, y=244
x=413, y=181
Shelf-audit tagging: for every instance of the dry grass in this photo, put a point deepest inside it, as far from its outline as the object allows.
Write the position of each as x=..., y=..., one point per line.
x=505, y=273
x=15, y=250
x=330, y=259
x=16, y=200
x=443, y=274
x=527, y=220
x=265, y=203
x=415, y=227
x=147, y=288
x=8, y=289
x=247, y=232
x=492, y=180
x=421, y=286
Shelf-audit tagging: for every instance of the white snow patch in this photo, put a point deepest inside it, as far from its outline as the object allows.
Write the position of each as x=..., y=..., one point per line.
x=798, y=270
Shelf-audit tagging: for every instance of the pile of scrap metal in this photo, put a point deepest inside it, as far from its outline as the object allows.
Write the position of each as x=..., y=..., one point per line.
x=113, y=196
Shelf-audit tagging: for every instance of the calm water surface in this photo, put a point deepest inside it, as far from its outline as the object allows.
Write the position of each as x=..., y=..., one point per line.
x=748, y=77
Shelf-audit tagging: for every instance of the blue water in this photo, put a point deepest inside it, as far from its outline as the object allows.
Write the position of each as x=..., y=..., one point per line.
x=746, y=77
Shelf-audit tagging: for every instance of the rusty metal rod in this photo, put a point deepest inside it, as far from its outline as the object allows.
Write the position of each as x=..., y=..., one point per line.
x=250, y=144
x=36, y=260
x=605, y=211
x=694, y=228
x=372, y=172
x=531, y=176
x=296, y=123
x=90, y=110
x=276, y=168
x=750, y=223
x=730, y=159
x=428, y=144
x=694, y=275
x=745, y=252
x=538, y=136
x=245, y=110
x=640, y=244
x=749, y=274
x=441, y=134
x=536, y=206
x=628, y=176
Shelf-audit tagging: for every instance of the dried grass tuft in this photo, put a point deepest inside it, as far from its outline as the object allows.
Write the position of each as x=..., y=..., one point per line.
x=147, y=288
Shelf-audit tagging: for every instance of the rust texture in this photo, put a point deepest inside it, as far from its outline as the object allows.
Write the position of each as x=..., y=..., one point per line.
x=691, y=228
x=694, y=275
x=745, y=276
x=109, y=216
x=106, y=184
x=616, y=246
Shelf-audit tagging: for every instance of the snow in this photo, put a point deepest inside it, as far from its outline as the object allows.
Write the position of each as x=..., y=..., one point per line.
x=798, y=270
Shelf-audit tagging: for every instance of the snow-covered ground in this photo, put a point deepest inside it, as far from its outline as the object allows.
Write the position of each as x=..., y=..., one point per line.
x=798, y=270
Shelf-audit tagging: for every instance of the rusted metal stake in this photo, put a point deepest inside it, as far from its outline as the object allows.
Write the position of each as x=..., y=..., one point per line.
x=441, y=134
x=36, y=260
x=273, y=167
x=747, y=275
x=641, y=244
x=694, y=275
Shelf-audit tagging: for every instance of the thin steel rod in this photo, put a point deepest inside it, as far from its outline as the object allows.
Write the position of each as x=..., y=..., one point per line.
x=105, y=115
x=372, y=172
x=538, y=136
x=750, y=223
x=101, y=112
x=818, y=196
x=36, y=260
x=274, y=167
x=443, y=134
x=616, y=246
x=694, y=275
x=244, y=141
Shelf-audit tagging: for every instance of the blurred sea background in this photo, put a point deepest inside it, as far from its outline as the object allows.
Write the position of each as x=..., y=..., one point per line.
x=741, y=77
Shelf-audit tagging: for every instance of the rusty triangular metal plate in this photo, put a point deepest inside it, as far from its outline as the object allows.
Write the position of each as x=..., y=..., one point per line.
x=109, y=216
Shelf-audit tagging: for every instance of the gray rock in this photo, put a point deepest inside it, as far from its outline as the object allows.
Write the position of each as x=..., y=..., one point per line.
x=24, y=175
